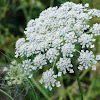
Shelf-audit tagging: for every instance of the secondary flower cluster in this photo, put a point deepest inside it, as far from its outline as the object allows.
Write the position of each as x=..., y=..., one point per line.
x=49, y=79
x=55, y=37
x=15, y=74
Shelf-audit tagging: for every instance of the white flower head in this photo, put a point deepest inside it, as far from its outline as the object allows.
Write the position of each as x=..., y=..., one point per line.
x=57, y=43
x=70, y=37
x=39, y=61
x=86, y=40
x=19, y=43
x=65, y=64
x=49, y=79
x=98, y=57
x=68, y=49
x=52, y=54
x=28, y=67
x=86, y=59
x=86, y=5
x=55, y=37
x=95, y=29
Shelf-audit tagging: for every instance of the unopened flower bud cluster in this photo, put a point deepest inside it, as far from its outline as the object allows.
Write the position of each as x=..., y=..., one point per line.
x=14, y=74
x=52, y=39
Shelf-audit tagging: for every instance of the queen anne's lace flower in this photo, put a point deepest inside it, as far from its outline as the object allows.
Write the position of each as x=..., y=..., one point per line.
x=68, y=49
x=28, y=67
x=86, y=59
x=86, y=40
x=70, y=37
x=86, y=5
x=39, y=61
x=94, y=13
x=19, y=44
x=52, y=54
x=57, y=43
x=49, y=79
x=98, y=57
x=95, y=29
x=64, y=64
x=54, y=39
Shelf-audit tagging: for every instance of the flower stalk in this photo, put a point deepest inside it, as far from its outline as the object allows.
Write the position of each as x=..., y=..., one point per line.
x=39, y=88
x=78, y=80
x=6, y=94
x=33, y=89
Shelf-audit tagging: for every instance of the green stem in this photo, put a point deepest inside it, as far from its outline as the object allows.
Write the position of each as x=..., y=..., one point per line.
x=33, y=89
x=40, y=89
x=6, y=94
x=78, y=80
x=70, y=95
x=61, y=98
x=81, y=76
x=89, y=90
x=72, y=86
x=54, y=63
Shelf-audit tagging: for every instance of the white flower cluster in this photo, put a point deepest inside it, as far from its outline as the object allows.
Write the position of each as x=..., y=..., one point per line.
x=14, y=74
x=86, y=40
x=98, y=57
x=28, y=67
x=86, y=59
x=95, y=29
x=39, y=61
x=63, y=64
x=54, y=37
x=52, y=54
x=49, y=79
x=68, y=49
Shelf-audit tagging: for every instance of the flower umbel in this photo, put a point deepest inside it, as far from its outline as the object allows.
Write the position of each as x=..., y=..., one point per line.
x=49, y=79
x=53, y=39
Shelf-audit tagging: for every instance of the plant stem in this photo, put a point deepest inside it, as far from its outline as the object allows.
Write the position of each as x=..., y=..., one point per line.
x=33, y=89
x=89, y=90
x=40, y=89
x=72, y=86
x=70, y=95
x=78, y=80
x=6, y=94
x=81, y=76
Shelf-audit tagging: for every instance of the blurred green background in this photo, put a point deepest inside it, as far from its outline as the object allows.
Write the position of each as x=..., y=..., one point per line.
x=14, y=15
